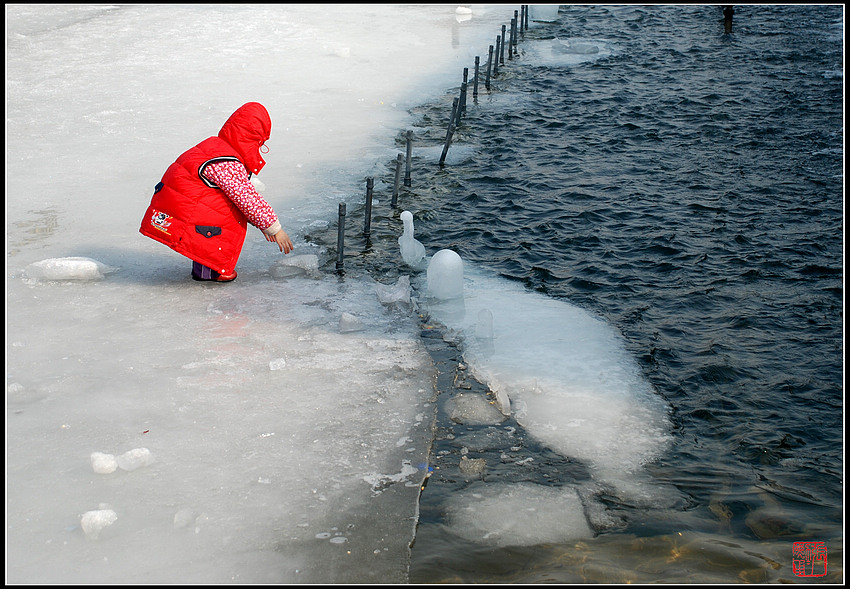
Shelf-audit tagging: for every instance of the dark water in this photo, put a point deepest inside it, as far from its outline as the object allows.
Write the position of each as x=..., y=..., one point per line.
x=688, y=188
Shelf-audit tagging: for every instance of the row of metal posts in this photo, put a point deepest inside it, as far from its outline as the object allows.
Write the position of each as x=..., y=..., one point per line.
x=519, y=24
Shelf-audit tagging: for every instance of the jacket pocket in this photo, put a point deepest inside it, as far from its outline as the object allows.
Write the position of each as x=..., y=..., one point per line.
x=208, y=230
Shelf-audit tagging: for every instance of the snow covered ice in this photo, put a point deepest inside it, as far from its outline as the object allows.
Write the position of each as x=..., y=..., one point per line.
x=272, y=430
x=270, y=425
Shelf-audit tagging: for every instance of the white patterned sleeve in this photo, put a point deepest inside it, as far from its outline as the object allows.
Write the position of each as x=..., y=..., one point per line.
x=233, y=180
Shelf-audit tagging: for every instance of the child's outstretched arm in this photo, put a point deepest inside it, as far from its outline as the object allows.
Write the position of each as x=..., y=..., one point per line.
x=232, y=178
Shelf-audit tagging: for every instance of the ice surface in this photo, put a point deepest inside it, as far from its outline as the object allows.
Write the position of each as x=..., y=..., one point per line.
x=269, y=423
x=580, y=393
x=289, y=448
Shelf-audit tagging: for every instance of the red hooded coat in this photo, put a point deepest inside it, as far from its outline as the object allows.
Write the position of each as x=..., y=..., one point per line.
x=193, y=216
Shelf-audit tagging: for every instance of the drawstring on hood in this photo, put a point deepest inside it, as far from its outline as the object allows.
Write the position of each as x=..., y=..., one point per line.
x=246, y=131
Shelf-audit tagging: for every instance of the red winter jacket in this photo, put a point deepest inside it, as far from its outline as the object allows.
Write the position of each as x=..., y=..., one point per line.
x=193, y=216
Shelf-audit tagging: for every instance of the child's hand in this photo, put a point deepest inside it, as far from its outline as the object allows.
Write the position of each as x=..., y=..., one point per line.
x=282, y=240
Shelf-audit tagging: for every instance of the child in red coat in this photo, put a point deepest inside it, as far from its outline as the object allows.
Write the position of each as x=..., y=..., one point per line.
x=205, y=199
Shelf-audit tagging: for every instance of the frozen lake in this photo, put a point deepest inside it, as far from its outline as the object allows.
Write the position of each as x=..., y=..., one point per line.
x=272, y=430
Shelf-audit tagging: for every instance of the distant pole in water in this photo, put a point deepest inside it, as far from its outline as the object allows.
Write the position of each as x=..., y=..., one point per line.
x=407, y=163
x=502, y=51
x=496, y=56
x=367, y=229
x=394, y=202
x=475, y=79
x=526, y=16
x=511, y=38
x=459, y=111
x=463, y=89
x=450, y=131
x=728, y=11
x=515, y=33
x=522, y=20
x=340, y=237
x=489, y=66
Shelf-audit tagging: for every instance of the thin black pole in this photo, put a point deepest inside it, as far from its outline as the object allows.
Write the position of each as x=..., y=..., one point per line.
x=515, y=23
x=475, y=79
x=394, y=202
x=367, y=229
x=407, y=162
x=522, y=20
x=463, y=88
x=502, y=51
x=450, y=131
x=340, y=238
x=511, y=38
x=459, y=111
x=489, y=67
x=496, y=56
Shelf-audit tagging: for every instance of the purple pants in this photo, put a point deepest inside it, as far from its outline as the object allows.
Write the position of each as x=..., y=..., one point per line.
x=201, y=272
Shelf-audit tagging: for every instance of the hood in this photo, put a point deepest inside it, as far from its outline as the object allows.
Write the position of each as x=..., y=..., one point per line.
x=245, y=131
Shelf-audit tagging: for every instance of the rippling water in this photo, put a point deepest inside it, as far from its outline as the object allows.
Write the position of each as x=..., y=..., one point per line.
x=687, y=186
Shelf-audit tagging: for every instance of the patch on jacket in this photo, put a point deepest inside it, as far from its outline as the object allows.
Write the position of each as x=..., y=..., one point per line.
x=161, y=221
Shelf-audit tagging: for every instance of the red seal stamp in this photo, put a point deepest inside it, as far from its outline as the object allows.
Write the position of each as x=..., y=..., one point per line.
x=809, y=559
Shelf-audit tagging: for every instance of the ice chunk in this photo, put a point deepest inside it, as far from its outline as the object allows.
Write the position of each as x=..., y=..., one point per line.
x=473, y=409
x=277, y=364
x=135, y=458
x=565, y=376
x=472, y=466
x=412, y=251
x=295, y=265
x=577, y=47
x=379, y=482
x=103, y=463
x=484, y=327
x=543, y=12
x=349, y=323
x=73, y=268
x=517, y=514
x=93, y=522
x=503, y=401
x=184, y=518
x=445, y=275
x=398, y=293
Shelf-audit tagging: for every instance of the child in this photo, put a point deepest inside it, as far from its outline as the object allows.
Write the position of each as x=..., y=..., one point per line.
x=202, y=205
